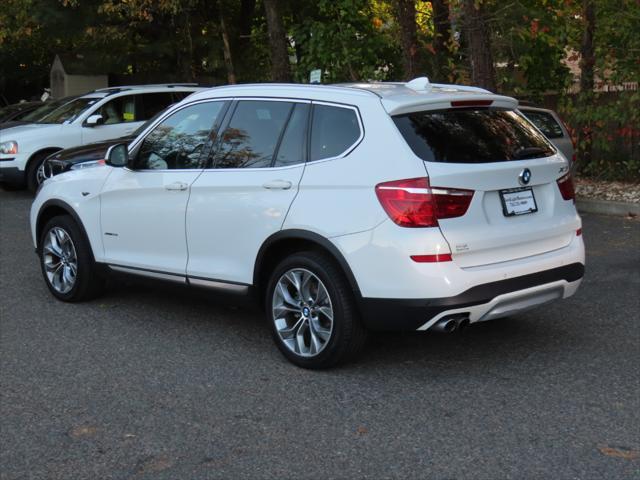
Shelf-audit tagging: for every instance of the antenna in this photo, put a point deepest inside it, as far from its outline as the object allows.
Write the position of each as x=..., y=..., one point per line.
x=419, y=84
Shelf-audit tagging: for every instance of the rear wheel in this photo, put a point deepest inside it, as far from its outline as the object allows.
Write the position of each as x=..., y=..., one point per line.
x=311, y=312
x=66, y=261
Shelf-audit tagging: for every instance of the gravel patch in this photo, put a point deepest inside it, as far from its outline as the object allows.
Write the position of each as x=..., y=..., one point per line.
x=603, y=190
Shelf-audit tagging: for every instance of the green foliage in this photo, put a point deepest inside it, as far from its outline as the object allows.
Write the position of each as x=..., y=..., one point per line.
x=342, y=39
x=350, y=40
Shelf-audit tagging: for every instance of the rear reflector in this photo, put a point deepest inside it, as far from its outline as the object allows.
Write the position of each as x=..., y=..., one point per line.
x=578, y=232
x=471, y=103
x=415, y=203
x=565, y=184
x=440, y=257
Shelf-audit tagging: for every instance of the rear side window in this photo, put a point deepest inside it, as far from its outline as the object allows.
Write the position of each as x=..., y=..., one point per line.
x=292, y=146
x=149, y=104
x=333, y=131
x=545, y=123
x=472, y=136
x=253, y=133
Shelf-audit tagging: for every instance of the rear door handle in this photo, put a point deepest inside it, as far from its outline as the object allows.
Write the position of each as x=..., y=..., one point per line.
x=278, y=185
x=177, y=186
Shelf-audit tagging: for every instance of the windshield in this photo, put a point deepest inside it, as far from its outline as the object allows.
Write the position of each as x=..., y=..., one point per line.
x=472, y=135
x=43, y=110
x=70, y=111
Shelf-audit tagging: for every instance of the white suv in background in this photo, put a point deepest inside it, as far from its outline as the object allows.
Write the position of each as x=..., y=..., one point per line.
x=342, y=208
x=100, y=115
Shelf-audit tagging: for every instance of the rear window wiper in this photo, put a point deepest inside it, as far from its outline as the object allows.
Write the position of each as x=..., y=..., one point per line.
x=529, y=152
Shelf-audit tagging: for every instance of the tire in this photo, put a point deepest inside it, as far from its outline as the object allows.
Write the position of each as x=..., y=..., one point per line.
x=32, y=170
x=62, y=246
x=304, y=333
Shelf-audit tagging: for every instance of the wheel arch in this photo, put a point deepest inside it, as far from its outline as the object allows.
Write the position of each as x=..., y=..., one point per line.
x=47, y=150
x=281, y=243
x=53, y=208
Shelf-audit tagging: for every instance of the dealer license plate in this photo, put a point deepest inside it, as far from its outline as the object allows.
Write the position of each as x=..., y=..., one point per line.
x=518, y=202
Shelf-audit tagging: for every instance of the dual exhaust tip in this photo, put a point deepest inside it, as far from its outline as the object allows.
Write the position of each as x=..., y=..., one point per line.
x=450, y=324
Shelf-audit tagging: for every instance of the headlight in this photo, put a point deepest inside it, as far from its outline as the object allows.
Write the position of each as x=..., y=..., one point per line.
x=93, y=163
x=9, y=148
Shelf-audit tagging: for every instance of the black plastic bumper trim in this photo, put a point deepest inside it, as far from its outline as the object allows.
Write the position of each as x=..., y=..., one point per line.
x=410, y=314
x=12, y=175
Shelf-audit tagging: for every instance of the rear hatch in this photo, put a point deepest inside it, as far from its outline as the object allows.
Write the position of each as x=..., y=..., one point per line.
x=517, y=209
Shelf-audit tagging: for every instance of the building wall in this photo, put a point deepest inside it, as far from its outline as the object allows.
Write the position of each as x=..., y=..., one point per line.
x=79, y=84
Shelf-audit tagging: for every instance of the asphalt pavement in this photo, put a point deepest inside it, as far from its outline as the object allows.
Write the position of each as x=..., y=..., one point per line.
x=158, y=382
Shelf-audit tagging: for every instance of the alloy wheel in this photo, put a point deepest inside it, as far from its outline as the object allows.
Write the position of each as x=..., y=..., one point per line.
x=60, y=260
x=302, y=312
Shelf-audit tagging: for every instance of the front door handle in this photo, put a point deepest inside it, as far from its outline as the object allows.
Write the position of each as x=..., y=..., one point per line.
x=177, y=186
x=278, y=185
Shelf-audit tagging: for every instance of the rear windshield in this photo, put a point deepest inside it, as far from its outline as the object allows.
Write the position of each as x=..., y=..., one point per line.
x=545, y=123
x=471, y=135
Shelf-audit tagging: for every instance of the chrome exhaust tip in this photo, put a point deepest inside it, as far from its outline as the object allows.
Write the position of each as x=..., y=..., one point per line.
x=445, y=325
x=451, y=324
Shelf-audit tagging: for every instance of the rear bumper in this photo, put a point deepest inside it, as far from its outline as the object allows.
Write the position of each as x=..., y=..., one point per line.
x=482, y=302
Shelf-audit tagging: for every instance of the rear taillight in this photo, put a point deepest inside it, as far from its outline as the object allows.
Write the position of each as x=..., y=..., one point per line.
x=414, y=203
x=565, y=184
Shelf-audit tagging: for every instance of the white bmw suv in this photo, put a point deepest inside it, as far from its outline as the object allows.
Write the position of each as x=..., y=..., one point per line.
x=104, y=114
x=342, y=208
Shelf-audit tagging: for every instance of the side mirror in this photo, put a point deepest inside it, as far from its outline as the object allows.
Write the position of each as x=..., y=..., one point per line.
x=94, y=120
x=117, y=155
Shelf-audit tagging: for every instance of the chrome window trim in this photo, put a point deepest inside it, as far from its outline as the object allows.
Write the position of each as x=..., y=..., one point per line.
x=351, y=148
x=309, y=162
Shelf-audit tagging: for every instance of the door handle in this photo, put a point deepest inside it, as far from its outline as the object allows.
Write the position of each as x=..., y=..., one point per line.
x=177, y=186
x=278, y=185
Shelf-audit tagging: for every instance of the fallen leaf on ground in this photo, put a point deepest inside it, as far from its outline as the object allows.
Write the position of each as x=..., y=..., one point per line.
x=620, y=452
x=83, y=431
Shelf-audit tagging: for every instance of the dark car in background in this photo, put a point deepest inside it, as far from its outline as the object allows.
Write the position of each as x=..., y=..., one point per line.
x=35, y=114
x=552, y=126
x=85, y=156
x=17, y=110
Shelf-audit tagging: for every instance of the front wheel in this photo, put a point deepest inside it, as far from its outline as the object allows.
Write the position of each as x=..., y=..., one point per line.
x=311, y=312
x=66, y=261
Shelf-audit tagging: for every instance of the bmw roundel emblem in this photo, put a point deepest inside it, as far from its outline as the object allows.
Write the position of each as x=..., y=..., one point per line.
x=525, y=176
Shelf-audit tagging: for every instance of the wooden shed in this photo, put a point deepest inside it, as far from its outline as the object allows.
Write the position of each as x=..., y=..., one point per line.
x=75, y=75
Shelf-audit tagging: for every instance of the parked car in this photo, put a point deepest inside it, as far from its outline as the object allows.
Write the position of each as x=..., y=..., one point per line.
x=550, y=123
x=17, y=110
x=100, y=115
x=84, y=156
x=342, y=208
x=37, y=114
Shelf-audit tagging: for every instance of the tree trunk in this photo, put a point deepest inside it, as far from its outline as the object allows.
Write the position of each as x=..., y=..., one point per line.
x=442, y=41
x=587, y=64
x=479, y=40
x=280, y=71
x=228, y=59
x=406, y=15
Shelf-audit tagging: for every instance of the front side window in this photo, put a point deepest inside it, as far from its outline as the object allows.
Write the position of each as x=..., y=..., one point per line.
x=253, y=133
x=333, y=131
x=178, y=141
x=472, y=135
x=119, y=110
